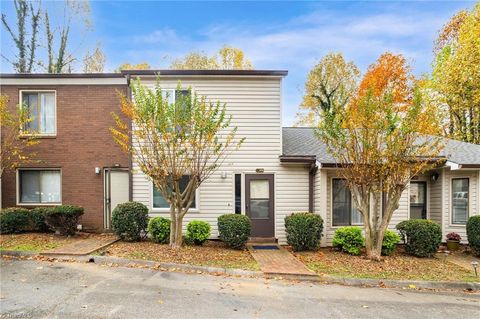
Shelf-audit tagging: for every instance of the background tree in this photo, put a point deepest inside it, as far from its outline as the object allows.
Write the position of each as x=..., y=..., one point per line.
x=190, y=137
x=128, y=66
x=227, y=58
x=330, y=84
x=13, y=146
x=456, y=74
x=94, y=62
x=381, y=140
x=28, y=17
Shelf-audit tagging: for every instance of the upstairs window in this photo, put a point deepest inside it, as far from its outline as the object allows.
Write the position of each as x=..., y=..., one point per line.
x=40, y=106
x=343, y=209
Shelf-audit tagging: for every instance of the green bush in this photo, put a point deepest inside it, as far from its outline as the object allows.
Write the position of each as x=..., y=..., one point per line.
x=63, y=218
x=304, y=231
x=37, y=219
x=422, y=237
x=159, y=229
x=198, y=231
x=129, y=220
x=390, y=241
x=14, y=220
x=234, y=230
x=473, y=234
x=349, y=239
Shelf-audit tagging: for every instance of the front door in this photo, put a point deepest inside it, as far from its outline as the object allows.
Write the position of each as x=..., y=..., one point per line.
x=259, y=204
x=117, y=191
x=418, y=200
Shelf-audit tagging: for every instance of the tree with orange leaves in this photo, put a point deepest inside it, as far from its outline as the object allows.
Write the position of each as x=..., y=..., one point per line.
x=383, y=138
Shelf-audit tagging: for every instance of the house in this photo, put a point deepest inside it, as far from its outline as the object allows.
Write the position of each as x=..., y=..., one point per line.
x=77, y=161
x=276, y=172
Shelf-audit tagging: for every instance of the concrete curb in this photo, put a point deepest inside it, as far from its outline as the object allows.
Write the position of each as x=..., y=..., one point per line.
x=357, y=282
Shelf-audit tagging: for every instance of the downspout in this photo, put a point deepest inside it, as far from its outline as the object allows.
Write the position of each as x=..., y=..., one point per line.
x=130, y=160
x=311, y=186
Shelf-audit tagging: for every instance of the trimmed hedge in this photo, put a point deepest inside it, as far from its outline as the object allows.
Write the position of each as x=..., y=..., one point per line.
x=14, y=220
x=473, y=234
x=129, y=220
x=198, y=231
x=304, y=231
x=18, y=219
x=63, y=218
x=422, y=237
x=349, y=239
x=159, y=229
x=234, y=230
x=390, y=241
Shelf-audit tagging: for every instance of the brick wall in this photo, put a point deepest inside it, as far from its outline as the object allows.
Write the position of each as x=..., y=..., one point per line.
x=83, y=142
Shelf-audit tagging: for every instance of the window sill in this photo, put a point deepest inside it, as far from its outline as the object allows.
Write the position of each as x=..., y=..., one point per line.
x=457, y=225
x=39, y=204
x=24, y=136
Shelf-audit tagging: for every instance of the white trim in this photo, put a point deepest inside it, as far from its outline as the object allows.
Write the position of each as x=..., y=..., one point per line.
x=450, y=188
x=453, y=166
x=64, y=81
x=20, y=102
x=17, y=180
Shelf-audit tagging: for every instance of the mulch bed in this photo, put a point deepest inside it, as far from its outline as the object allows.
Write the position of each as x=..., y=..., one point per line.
x=398, y=266
x=212, y=253
x=37, y=242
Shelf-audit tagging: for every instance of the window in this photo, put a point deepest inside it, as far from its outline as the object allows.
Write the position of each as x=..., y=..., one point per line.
x=460, y=199
x=343, y=209
x=238, y=193
x=41, y=110
x=39, y=186
x=418, y=200
x=160, y=202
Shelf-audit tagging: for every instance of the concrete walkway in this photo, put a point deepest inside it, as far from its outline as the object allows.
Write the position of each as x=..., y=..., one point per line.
x=82, y=247
x=278, y=262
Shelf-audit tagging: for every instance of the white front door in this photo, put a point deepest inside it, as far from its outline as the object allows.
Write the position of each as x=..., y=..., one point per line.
x=117, y=191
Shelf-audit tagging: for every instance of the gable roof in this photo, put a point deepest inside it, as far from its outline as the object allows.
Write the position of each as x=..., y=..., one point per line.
x=302, y=141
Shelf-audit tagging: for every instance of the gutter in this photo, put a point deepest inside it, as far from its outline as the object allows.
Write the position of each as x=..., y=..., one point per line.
x=130, y=157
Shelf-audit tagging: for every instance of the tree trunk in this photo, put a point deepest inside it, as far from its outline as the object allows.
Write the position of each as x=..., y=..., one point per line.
x=176, y=233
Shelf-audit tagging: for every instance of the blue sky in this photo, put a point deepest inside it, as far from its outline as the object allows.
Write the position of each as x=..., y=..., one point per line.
x=290, y=36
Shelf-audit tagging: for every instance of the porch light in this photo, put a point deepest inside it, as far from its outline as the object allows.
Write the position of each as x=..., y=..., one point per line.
x=475, y=265
x=223, y=175
x=97, y=170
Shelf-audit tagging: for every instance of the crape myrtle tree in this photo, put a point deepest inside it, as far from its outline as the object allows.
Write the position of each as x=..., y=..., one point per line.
x=169, y=140
x=384, y=137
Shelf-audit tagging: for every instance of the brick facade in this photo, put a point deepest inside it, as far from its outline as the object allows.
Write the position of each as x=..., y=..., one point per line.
x=82, y=142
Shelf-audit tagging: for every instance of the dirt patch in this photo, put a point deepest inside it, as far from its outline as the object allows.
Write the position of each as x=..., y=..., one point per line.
x=398, y=266
x=212, y=253
x=37, y=242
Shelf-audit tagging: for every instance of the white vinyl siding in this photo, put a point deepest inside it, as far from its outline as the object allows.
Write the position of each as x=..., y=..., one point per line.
x=255, y=105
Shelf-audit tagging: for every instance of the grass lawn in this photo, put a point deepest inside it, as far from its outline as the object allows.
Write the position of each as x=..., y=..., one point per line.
x=398, y=266
x=35, y=242
x=212, y=253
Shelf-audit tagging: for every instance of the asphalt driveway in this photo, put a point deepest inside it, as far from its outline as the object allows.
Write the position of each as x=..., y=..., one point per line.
x=32, y=289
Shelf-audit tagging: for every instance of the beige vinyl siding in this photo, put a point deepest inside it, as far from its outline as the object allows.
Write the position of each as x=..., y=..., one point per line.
x=255, y=105
x=434, y=209
x=447, y=197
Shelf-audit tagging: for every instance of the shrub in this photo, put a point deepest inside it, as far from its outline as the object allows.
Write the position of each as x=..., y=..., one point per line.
x=304, y=231
x=473, y=234
x=234, y=230
x=454, y=236
x=349, y=239
x=390, y=241
x=129, y=220
x=37, y=219
x=159, y=229
x=198, y=231
x=63, y=218
x=14, y=220
x=422, y=237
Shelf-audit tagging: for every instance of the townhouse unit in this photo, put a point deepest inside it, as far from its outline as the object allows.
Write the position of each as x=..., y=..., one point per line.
x=277, y=171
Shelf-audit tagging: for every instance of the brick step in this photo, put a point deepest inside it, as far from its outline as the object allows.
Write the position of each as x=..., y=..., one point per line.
x=262, y=240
